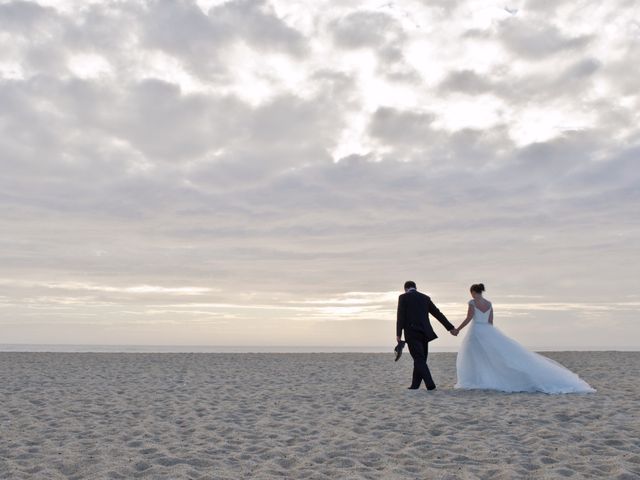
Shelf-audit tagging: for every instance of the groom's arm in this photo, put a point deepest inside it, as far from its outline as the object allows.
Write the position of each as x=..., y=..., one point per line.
x=433, y=310
x=400, y=322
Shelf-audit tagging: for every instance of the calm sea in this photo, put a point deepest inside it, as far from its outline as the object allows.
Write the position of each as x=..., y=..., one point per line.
x=256, y=349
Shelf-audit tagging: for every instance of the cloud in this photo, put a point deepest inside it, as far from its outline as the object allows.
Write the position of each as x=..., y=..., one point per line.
x=15, y=16
x=366, y=29
x=257, y=22
x=380, y=32
x=538, y=40
x=405, y=127
x=198, y=39
x=466, y=81
x=280, y=157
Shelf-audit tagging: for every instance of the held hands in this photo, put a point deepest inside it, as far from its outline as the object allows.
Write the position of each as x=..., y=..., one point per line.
x=454, y=332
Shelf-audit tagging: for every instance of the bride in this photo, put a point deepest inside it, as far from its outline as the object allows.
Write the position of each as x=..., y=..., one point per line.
x=488, y=359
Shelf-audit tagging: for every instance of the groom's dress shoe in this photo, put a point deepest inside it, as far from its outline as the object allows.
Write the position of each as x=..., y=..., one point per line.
x=431, y=388
x=413, y=388
x=398, y=349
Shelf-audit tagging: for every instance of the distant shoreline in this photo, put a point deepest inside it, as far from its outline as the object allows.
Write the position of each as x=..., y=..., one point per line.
x=53, y=348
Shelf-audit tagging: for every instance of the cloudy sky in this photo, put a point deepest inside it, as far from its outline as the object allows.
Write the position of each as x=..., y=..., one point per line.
x=254, y=172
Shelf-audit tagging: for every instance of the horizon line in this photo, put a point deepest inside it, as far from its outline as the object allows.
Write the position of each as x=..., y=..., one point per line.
x=200, y=348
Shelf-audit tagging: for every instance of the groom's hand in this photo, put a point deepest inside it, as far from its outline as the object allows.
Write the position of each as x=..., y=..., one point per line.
x=397, y=339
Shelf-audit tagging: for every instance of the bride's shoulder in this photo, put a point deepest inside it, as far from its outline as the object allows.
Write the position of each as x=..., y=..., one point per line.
x=470, y=302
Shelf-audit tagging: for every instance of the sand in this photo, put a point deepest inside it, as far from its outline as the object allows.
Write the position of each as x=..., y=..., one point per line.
x=307, y=416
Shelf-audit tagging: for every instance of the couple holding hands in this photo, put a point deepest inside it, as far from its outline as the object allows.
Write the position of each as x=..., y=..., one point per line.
x=487, y=358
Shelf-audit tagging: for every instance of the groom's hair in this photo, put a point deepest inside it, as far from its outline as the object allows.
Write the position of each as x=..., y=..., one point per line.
x=409, y=284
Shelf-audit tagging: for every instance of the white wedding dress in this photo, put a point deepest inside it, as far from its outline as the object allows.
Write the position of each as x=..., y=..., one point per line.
x=488, y=359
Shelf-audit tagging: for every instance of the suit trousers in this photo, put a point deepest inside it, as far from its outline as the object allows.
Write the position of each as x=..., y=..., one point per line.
x=419, y=349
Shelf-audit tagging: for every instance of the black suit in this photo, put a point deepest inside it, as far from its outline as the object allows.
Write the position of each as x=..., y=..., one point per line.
x=413, y=317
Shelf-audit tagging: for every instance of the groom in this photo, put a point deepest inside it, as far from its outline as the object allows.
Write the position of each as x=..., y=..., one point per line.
x=413, y=317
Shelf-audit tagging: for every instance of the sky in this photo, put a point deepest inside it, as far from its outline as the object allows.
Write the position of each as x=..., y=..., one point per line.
x=269, y=173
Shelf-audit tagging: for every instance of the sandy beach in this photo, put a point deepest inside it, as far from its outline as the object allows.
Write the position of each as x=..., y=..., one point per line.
x=307, y=416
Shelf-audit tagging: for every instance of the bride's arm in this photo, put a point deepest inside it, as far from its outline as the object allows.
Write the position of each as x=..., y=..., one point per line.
x=468, y=319
x=491, y=316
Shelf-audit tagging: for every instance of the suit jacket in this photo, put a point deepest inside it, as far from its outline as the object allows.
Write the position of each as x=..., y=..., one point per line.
x=413, y=316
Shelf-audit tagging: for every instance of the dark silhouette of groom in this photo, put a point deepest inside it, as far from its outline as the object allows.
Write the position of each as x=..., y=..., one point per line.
x=413, y=317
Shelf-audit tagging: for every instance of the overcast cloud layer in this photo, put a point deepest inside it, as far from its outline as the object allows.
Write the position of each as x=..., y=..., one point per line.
x=270, y=172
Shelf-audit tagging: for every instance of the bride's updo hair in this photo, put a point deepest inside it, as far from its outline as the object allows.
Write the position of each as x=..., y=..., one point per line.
x=477, y=287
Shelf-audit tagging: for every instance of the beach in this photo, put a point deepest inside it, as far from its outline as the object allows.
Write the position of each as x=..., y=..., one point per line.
x=307, y=416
